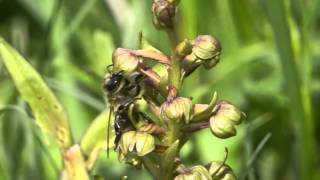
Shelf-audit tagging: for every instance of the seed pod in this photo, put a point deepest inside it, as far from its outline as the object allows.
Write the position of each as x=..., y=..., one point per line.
x=176, y=109
x=125, y=60
x=220, y=171
x=223, y=122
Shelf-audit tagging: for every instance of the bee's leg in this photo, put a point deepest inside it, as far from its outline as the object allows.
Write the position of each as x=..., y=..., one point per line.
x=117, y=128
x=133, y=90
x=145, y=117
x=139, y=78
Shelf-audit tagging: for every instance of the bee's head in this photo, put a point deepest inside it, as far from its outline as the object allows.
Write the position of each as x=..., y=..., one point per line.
x=113, y=82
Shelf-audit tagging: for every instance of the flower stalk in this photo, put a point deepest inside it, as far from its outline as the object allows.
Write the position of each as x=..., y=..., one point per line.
x=175, y=117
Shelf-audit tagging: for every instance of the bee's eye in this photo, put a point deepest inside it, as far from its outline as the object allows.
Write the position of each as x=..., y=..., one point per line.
x=113, y=83
x=121, y=107
x=138, y=78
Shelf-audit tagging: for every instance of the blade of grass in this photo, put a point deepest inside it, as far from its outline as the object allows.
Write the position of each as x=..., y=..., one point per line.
x=3, y=163
x=77, y=93
x=75, y=23
x=48, y=112
x=254, y=156
x=293, y=88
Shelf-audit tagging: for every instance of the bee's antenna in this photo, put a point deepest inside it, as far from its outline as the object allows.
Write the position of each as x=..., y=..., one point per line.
x=108, y=131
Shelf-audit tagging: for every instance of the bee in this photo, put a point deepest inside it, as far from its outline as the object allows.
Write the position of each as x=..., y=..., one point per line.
x=121, y=93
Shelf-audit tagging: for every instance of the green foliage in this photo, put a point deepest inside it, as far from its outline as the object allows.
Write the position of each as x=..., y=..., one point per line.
x=48, y=112
x=263, y=42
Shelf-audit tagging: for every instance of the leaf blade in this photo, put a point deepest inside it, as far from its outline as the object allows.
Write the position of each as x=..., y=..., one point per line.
x=49, y=113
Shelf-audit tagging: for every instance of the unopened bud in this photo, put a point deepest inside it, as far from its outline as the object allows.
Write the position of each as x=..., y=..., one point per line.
x=163, y=13
x=206, y=51
x=221, y=171
x=229, y=111
x=184, y=48
x=125, y=60
x=196, y=172
x=176, y=109
x=223, y=122
x=207, y=48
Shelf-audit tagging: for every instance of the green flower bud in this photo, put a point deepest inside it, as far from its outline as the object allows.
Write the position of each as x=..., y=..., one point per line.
x=176, y=109
x=222, y=128
x=142, y=142
x=184, y=48
x=201, y=172
x=127, y=142
x=223, y=122
x=206, y=51
x=125, y=60
x=229, y=111
x=195, y=173
x=206, y=47
x=220, y=171
x=163, y=13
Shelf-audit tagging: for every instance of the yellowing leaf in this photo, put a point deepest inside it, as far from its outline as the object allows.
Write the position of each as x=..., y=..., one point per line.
x=49, y=114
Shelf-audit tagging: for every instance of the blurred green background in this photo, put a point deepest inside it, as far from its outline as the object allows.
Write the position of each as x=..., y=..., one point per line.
x=270, y=68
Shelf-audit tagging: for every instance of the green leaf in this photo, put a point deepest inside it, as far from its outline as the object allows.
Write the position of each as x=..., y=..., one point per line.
x=49, y=114
x=95, y=138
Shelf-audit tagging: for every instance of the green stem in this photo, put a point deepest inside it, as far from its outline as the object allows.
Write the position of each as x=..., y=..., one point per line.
x=175, y=73
x=175, y=70
x=173, y=135
x=172, y=37
x=168, y=159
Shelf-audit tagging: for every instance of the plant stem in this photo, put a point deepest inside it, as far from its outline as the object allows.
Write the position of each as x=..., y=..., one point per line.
x=173, y=134
x=175, y=70
x=175, y=73
x=172, y=37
